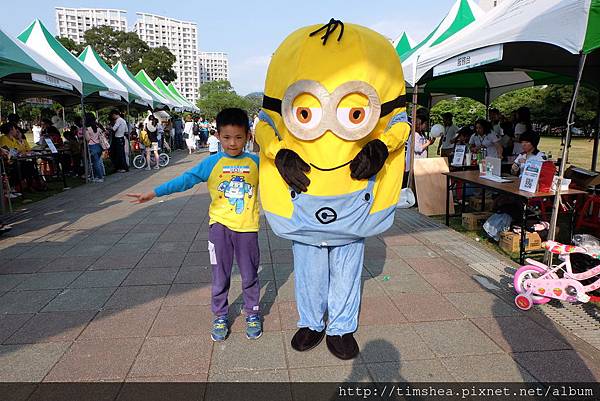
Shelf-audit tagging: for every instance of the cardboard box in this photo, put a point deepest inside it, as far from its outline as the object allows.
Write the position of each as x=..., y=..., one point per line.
x=509, y=241
x=582, y=178
x=474, y=221
x=475, y=203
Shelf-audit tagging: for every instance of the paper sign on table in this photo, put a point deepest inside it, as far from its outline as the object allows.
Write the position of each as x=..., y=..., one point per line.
x=459, y=155
x=51, y=145
x=531, y=175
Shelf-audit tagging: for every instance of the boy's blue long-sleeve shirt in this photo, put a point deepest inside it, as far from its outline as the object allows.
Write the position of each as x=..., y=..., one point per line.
x=233, y=185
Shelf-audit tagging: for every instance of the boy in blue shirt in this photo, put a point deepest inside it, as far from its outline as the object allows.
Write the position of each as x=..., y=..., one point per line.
x=232, y=179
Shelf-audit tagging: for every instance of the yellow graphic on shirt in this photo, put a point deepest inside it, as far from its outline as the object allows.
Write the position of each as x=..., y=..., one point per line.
x=232, y=185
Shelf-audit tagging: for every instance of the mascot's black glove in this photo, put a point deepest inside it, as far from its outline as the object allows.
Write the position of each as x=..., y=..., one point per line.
x=292, y=169
x=369, y=160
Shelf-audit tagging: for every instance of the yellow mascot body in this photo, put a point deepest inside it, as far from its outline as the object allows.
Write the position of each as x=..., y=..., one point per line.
x=326, y=101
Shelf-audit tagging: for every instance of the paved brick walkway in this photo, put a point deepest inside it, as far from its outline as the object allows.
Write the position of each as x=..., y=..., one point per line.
x=93, y=288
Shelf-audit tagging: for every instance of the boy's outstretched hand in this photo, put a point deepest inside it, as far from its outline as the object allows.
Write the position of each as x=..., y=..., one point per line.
x=141, y=198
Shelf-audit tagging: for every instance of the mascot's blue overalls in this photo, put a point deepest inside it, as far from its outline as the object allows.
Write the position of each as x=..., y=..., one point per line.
x=332, y=133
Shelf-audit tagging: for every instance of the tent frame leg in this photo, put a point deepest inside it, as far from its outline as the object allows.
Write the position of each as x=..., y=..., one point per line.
x=565, y=152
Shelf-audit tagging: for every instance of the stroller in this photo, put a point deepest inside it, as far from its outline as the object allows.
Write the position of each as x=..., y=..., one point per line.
x=576, y=279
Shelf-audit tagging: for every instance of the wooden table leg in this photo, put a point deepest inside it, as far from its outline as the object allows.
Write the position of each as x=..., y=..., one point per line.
x=447, y=200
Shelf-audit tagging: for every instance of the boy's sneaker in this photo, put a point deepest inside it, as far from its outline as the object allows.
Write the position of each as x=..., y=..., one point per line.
x=220, y=329
x=253, y=327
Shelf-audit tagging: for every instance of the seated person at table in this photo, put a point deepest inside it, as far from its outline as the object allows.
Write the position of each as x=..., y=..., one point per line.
x=485, y=138
x=462, y=136
x=11, y=140
x=72, y=159
x=51, y=132
x=529, y=142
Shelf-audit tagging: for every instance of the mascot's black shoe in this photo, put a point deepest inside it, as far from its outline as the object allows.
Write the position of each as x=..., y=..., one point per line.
x=343, y=347
x=306, y=339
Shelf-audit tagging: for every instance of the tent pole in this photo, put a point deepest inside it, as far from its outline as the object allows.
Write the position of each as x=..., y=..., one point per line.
x=563, y=161
x=86, y=153
x=487, y=102
x=596, y=137
x=415, y=99
x=14, y=108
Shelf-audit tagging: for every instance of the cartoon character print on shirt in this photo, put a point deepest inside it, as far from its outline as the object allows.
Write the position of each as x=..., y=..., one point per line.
x=235, y=190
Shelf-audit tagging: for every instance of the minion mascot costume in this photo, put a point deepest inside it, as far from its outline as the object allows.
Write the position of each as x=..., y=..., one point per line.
x=332, y=131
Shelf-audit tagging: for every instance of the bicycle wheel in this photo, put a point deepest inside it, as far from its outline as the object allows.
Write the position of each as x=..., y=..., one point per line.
x=164, y=159
x=139, y=162
x=529, y=272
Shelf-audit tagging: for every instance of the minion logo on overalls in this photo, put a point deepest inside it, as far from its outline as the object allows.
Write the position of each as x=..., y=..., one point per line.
x=235, y=190
x=332, y=131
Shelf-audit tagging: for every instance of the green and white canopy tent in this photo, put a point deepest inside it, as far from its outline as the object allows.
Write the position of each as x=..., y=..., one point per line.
x=23, y=76
x=102, y=71
x=148, y=96
x=403, y=44
x=484, y=86
x=462, y=14
x=60, y=63
x=143, y=78
x=162, y=87
x=178, y=95
x=556, y=36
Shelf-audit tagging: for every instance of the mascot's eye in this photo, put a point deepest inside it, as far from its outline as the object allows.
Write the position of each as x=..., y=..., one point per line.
x=353, y=117
x=357, y=115
x=308, y=117
x=303, y=114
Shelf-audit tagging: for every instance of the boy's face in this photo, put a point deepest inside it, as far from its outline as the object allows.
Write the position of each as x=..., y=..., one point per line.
x=232, y=138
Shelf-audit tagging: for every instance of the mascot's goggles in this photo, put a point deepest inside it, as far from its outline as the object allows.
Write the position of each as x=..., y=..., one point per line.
x=349, y=123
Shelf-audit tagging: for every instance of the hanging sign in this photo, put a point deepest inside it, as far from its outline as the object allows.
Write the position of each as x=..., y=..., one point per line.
x=468, y=60
x=52, y=81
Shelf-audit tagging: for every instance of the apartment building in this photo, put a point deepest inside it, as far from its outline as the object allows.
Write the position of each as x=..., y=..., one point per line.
x=73, y=22
x=181, y=38
x=213, y=66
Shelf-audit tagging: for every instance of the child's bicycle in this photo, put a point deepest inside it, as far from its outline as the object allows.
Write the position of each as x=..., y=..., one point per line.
x=139, y=161
x=572, y=280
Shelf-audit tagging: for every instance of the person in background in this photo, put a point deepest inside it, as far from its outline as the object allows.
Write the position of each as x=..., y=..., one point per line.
x=507, y=139
x=49, y=131
x=485, y=138
x=495, y=118
x=152, y=130
x=188, y=132
x=463, y=136
x=92, y=135
x=204, y=124
x=37, y=131
x=72, y=159
x=522, y=124
x=117, y=146
x=213, y=143
x=529, y=142
x=447, y=142
x=178, y=130
x=421, y=141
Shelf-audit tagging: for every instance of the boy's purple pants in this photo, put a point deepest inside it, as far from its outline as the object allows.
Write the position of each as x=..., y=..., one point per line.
x=223, y=244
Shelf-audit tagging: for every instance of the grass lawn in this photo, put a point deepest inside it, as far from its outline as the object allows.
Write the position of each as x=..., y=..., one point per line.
x=580, y=153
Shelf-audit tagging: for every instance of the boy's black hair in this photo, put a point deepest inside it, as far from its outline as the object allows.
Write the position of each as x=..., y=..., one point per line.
x=233, y=116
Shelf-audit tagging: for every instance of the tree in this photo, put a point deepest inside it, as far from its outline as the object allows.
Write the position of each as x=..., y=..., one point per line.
x=70, y=45
x=465, y=111
x=255, y=100
x=158, y=62
x=114, y=46
x=217, y=95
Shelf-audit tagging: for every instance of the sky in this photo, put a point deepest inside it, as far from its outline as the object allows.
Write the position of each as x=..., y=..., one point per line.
x=250, y=31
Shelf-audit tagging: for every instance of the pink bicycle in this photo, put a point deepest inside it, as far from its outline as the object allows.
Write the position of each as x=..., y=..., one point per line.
x=572, y=280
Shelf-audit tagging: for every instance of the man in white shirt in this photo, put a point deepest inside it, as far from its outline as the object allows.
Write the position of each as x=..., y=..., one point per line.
x=447, y=141
x=117, y=146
